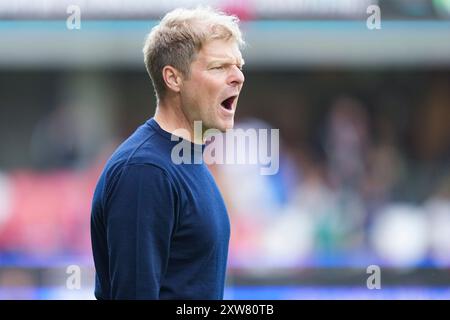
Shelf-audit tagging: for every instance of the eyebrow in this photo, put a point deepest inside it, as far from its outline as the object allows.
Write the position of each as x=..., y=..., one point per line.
x=238, y=61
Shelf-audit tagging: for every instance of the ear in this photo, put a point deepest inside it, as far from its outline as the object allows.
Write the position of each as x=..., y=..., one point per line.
x=172, y=77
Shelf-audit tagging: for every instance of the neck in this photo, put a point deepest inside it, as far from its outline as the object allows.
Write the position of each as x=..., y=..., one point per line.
x=171, y=118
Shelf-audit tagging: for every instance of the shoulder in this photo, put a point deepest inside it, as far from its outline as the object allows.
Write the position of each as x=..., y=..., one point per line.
x=143, y=147
x=144, y=181
x=137, y=158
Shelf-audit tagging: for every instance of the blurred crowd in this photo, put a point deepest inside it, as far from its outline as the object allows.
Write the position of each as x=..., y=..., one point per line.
x=372, y=188
x=360, y=181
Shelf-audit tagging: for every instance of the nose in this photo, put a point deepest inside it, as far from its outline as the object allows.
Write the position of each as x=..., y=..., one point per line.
x=236, y=77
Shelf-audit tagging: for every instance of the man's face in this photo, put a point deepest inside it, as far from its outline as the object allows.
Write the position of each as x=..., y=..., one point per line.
x=212, y=90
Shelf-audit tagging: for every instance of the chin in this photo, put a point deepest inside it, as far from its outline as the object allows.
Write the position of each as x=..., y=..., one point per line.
x=227, y=125
x=222, y=125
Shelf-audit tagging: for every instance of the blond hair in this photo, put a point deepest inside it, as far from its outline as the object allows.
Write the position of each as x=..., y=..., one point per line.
x=180, y=35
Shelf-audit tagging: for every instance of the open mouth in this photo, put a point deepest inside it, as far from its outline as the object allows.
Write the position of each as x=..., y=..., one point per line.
x=228, y=103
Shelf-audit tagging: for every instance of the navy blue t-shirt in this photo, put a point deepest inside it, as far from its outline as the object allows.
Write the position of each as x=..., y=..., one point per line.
x=159, y=230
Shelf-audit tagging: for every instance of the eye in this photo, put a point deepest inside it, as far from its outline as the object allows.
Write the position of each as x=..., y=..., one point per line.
x=217, y=68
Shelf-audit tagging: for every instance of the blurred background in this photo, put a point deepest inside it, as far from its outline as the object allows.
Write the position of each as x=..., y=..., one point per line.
x=363, y=116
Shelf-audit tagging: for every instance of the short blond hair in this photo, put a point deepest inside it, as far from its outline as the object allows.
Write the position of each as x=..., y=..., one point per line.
x=179, y=36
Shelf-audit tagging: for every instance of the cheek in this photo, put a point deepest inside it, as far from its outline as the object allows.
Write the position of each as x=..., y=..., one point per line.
x=214, y=88
x=205, y=89
x=209, y=91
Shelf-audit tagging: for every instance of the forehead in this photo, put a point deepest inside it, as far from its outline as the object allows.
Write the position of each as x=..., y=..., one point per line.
x=223, y=50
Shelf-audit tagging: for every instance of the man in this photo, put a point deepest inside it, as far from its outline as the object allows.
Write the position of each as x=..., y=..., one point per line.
x=160, y=230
